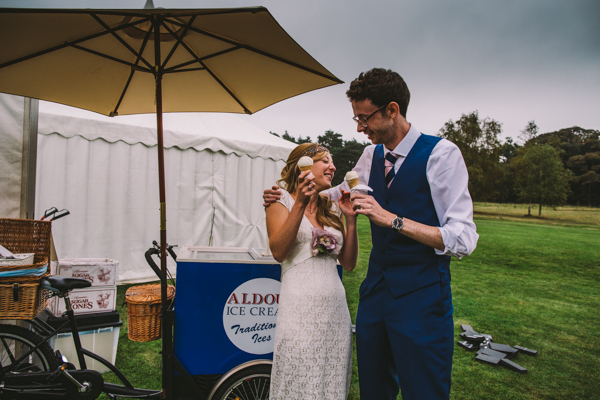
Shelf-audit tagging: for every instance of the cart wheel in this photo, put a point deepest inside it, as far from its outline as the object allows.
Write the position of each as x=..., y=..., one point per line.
x=251, y=383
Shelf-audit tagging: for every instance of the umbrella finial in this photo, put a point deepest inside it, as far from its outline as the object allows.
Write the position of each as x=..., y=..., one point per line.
x=149, y=5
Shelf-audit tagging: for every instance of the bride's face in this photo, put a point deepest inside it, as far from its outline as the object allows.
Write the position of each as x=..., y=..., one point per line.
x=323, y=170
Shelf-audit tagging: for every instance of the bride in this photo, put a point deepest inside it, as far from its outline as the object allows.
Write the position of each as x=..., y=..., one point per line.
x=312, y=358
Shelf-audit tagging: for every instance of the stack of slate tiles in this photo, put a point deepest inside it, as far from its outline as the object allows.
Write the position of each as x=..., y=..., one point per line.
x=492, y=353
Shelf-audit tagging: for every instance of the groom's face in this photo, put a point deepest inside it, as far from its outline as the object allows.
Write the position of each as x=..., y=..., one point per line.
x=378, y=125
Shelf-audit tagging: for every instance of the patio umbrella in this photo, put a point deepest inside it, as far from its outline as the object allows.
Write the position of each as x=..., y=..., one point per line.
x=118, y=62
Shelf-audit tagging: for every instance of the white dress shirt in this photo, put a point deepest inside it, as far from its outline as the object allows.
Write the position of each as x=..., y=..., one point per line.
x=449, y=183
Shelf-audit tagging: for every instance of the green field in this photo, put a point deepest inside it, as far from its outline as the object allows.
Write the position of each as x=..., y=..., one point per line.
x=555, y=216
x=530, y=282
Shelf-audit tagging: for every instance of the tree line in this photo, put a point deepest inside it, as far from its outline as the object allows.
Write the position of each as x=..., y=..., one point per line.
x=549, y=169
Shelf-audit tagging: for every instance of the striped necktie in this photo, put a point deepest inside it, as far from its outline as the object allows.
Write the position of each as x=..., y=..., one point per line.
x=390, y=160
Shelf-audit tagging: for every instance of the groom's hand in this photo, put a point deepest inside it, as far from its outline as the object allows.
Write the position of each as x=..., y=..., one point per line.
x=367, y=205
x=270, y=196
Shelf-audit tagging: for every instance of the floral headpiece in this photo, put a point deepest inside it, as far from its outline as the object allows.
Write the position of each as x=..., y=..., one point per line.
x=315, y=150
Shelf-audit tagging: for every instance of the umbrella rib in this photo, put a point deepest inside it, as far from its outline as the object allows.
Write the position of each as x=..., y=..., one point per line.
x=179, y=39
x=65, y=45
x=120, y=39
x=186, y=47
x=255, y=50
x=133, y=66
x=293, y=64
x=144, y=43
x=246, y=110
x=176, y=68
x=51, y=49
x=186, y=70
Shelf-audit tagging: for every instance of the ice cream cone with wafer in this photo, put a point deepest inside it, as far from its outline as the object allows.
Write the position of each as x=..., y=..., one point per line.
x=352, y=179
x=354, y=184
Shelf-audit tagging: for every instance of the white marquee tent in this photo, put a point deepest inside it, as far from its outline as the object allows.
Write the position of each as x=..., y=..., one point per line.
x=105, y=173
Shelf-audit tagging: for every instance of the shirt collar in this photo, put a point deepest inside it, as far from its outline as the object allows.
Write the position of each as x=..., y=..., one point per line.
x=406, y=144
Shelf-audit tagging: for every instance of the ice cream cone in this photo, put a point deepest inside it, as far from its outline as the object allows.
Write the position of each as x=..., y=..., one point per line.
x=352, y=179
x=305, y=163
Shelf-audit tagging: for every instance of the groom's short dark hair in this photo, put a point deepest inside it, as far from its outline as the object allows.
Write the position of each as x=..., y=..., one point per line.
x=381, y=86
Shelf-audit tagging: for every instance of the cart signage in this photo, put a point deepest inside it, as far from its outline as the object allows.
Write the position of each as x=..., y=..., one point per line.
x=250, y=315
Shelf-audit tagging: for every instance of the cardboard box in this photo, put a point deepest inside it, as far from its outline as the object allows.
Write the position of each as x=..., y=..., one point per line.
x=86, y=301
x=99, y=271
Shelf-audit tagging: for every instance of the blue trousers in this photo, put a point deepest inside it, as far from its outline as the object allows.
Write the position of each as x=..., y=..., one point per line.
x=405, y=342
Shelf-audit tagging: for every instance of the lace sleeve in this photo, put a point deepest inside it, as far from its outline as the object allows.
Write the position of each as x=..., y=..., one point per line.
x=286, y=199
x=335, y=207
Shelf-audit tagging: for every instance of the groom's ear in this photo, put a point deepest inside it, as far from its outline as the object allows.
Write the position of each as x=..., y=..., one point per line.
x=393, y=110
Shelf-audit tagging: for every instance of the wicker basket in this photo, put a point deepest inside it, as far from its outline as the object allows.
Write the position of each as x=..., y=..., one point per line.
x=26, y=236
x=143, y=311
x=22, y=298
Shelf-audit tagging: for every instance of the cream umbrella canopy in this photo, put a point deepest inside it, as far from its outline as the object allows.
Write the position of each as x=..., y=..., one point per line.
x=118, y=62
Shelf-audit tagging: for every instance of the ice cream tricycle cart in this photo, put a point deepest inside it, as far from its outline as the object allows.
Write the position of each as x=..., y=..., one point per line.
x=217, y=336
x=225, y=317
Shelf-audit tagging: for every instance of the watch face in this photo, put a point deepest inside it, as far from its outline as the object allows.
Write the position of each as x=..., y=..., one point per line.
x=397, y=224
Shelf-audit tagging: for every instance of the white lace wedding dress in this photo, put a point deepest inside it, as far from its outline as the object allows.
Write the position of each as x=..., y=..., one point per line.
x=313, y=338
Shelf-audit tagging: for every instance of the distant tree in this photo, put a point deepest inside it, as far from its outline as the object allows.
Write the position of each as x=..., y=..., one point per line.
x=479, y=144
x=541, y=176
x=289, y=137
x=273, y=133
x=345, y=153
x=573, y=142
x=508, y=150
x=304, y=140
x=530, y=132
x=586, y=169
x=333, y=141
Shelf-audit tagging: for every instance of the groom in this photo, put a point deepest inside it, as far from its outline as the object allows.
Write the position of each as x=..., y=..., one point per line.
x=421, y=213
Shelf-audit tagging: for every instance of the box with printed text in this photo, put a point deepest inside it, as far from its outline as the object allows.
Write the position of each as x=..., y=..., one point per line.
x=85, y=301
x=99, y=271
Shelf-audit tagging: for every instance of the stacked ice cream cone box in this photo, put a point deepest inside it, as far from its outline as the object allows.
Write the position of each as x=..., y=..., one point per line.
x=100, y=297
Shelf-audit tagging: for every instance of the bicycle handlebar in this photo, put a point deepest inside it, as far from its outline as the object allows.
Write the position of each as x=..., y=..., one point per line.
x=49, y=212
x=169, y=249
x=149, y=253
x=155, y=250
x=63, y=213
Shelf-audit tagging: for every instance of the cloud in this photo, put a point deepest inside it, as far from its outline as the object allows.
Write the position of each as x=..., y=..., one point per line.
x=513, y=60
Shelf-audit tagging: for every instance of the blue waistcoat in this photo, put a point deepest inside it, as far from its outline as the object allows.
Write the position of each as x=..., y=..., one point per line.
x=405, y=264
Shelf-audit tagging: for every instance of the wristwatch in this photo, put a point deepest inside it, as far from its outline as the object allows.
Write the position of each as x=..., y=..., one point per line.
x=397, y=224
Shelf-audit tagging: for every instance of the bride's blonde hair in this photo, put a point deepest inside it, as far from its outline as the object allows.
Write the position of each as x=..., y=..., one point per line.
x=289, y=182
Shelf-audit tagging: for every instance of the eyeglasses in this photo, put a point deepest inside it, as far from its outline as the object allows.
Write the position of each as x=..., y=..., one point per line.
x=363, y=120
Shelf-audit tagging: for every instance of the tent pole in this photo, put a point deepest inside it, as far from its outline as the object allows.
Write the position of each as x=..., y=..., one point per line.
x=29, y=157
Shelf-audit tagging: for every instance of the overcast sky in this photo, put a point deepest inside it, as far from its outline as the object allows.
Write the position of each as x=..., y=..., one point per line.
x=513, y=60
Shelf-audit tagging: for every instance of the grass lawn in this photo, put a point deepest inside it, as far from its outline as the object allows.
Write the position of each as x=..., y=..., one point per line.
x=530, y=282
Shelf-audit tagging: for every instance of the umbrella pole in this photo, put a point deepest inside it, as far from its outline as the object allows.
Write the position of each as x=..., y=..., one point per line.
x=167, y=322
